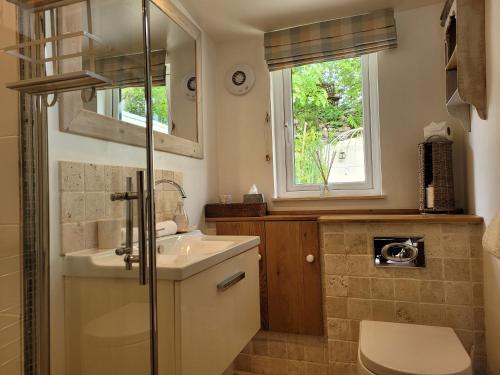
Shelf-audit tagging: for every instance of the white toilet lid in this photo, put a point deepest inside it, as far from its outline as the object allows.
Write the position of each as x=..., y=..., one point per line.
x=396, y=349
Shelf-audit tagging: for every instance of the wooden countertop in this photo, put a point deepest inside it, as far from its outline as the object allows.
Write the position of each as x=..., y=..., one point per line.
x=360, y=218
x=423, y=218
x=265, y=218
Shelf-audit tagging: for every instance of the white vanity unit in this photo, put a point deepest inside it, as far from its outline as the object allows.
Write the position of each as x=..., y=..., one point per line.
x=208, y=307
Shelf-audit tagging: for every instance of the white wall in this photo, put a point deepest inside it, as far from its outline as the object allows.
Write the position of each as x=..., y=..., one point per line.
x=483, y=172
x=411, y=85
x=200, y=182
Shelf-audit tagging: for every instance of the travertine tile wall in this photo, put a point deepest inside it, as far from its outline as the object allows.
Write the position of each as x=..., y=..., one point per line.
x=10, y=245
x=85, y=198
x=448, y=292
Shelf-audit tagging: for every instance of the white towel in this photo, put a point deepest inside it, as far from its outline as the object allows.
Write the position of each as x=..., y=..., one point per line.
x=164, y=228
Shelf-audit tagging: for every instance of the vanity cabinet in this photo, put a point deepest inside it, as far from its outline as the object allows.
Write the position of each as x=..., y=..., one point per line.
x=290, y=273
x=252, y=228
x=213, y=324
x=204, y=321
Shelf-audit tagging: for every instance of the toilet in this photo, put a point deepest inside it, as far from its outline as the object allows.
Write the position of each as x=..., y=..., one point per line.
x=410, y=349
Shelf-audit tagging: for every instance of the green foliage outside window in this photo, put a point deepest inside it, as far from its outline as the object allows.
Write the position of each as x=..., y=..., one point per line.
x=133, y=101
x=325, y=95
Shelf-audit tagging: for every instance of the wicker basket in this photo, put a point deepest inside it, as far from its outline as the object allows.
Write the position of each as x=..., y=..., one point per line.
x=236, y=210
x=436, y=168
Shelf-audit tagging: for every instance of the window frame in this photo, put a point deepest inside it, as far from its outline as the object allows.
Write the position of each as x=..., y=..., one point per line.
x=282, y=114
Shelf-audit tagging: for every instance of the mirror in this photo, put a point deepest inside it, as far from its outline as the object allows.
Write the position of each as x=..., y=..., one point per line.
x=117, y=113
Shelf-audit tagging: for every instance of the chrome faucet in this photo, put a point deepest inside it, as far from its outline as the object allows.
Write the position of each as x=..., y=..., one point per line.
x=173, y=183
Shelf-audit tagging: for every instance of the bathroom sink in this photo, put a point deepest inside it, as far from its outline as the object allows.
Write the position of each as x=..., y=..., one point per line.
x=187, y=247
x=208, y=307
x=178, y=256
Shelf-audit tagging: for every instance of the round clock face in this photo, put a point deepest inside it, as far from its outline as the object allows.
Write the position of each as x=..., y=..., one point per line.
x=240, y=79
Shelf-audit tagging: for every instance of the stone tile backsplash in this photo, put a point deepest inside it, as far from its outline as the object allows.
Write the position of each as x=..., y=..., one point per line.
x=447, y=292
x=84, y=199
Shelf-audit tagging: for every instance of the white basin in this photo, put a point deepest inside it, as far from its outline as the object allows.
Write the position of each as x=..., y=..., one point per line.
x=186, y=247
x=178, y=256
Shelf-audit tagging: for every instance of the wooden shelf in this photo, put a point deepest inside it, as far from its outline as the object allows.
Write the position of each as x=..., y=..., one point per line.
x=464, y=25
x=60, y=83
x=359, y=218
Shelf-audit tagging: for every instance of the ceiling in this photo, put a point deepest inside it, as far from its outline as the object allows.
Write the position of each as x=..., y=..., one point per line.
x=228, y=19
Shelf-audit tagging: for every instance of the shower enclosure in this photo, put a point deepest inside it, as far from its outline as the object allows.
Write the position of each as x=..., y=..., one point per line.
x=101, y=83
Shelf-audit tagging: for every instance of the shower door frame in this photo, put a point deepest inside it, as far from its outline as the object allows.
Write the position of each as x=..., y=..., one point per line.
x=35, y=239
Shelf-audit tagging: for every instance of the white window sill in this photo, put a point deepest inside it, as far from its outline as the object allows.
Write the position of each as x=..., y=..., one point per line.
x=318, y=198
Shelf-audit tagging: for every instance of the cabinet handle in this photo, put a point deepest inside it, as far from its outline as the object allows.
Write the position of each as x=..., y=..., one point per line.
x=231, y=281
x=260, y=257
x=310, y=258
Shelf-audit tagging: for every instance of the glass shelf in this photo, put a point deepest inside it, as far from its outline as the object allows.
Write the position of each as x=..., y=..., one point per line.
x=60, y=80
x=60, y=83
x=16, y=50
x=41, y=5
x=74, y=44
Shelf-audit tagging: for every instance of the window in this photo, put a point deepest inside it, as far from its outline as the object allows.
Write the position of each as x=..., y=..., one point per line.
x=128, y=104
x=133, y=107
x=326, y=119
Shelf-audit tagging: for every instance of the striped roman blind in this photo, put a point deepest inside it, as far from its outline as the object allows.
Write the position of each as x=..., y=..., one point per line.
x=331, y=40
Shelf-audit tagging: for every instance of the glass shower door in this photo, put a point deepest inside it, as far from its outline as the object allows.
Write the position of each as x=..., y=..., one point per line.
x=108, y=291
x=85, y=68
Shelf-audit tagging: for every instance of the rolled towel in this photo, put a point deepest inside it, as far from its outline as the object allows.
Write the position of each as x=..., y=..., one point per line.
x=166, y=228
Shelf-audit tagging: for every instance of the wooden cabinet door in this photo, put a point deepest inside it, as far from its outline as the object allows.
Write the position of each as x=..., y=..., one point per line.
x=294, y=285
x=252, y=228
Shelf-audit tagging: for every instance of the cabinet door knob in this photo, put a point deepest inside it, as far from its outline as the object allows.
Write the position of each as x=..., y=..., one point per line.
x=310, y=258
x=260, y=257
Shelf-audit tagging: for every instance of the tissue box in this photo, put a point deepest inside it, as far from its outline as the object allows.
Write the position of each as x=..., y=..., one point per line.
x=253, y=198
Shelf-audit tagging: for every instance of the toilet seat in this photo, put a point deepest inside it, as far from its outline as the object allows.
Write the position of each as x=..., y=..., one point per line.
x=410, y=349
